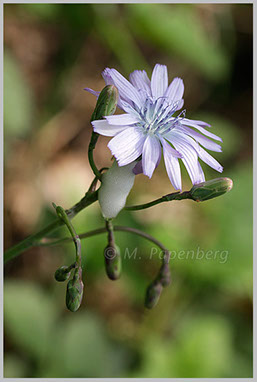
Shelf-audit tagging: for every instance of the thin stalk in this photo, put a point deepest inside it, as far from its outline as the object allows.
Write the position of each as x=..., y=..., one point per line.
x=32, y=240
x=165, y=198
x=50, y=242
x=91, y=147
x=75, y=237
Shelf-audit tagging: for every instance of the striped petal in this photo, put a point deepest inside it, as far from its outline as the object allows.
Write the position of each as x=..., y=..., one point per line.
x=122, y=119
x=207, y=158
x=175, y=90
x=140, y=80
x=205, y=142
x=95, y=93
x=198, y=125
x=159, y=80
x=151, y=155
x=190, y=156
x=172, y=165
x=104, y=128
x=126, y=90
x=127, y=146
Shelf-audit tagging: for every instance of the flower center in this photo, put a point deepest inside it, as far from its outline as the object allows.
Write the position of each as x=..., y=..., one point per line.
x=157, y=116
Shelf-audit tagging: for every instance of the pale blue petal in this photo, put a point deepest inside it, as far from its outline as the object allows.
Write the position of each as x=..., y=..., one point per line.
x=159, y=80
x=207, y=158
x=204, y=155
x=95, y=93
x=201, y=173
x=150, y=155
x=205, y=142
x=122, y=119
x=126, y=90
x=180, y=104
x=190, y=155
x=175, y=91
x=127, y=146
x=107, y=77
x=104, y=128
x=140, y=80
x=196, y=125
x=172, y=165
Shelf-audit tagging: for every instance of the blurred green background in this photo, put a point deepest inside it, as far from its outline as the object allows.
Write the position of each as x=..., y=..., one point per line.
x=202, y=326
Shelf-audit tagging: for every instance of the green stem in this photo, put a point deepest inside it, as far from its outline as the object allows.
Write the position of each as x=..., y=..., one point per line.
x=91, y=147
x=165, y=198
x=32, y=240
x=75, y=237
x=50, y=242
x=109, y=229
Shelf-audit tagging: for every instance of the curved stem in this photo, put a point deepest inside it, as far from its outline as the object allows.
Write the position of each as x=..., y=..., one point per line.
x=75, y=237
x=165, y=198
x=49, y=242
x=91, y=147
x=32, y=240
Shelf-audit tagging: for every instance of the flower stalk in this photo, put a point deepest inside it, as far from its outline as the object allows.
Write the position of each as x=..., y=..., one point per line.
x=75, y=286
x=112, y=255
x=106, y=105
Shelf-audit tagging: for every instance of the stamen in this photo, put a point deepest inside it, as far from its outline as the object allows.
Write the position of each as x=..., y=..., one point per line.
x=157, y=115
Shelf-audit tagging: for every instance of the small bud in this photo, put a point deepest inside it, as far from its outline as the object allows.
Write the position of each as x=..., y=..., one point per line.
x=211, y=189
x=153, y=294
x=112, y=262
x=164, y=275
x=74, y=293
x=106, y=102
x=62, y=273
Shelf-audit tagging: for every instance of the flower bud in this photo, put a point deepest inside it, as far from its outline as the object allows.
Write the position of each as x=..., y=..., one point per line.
x=106, y=103
x=211, y=189
x=112, y=259
x=116, y=185
x=153, y=294
x=164, y=275
x=74, y=293
x=62, y=273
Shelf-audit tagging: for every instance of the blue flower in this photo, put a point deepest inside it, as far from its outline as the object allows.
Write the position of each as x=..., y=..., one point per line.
x=150, y=126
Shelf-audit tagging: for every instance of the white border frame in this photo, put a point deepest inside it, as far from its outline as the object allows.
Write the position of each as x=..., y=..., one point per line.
x=254, y=197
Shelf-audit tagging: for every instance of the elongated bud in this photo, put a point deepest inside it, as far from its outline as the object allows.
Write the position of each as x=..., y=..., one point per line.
x=74, y=292
x=106, y=103
x=116, y=185
x=113, y=263
x=153, y=294
x=63, y=273
x=211, y=189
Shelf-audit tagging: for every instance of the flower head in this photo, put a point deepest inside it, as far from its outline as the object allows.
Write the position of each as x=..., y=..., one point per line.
x=150, y=126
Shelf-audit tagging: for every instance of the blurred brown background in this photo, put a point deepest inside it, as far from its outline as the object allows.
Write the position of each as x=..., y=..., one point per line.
x=202, y=326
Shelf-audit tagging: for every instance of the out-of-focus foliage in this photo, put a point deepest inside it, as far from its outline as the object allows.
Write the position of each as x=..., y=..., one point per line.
x=202, y=325
x=179, y=31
